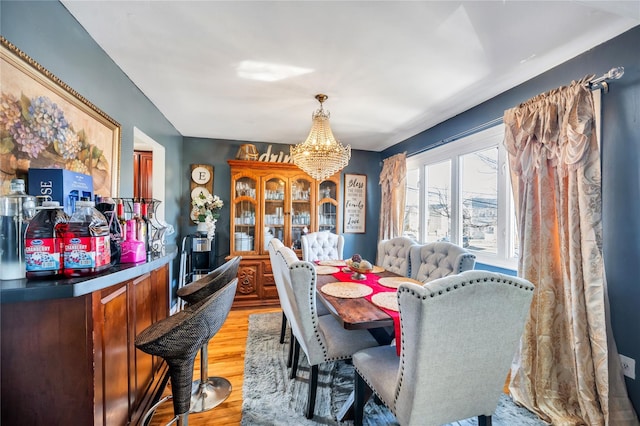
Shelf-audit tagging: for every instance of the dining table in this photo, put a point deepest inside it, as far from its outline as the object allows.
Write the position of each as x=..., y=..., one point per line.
x=360, y=313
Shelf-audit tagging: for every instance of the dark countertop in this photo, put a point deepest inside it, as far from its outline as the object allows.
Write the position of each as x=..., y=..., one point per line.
x=13, y=291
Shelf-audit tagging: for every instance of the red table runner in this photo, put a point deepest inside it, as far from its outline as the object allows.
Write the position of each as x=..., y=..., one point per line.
x=371, y=280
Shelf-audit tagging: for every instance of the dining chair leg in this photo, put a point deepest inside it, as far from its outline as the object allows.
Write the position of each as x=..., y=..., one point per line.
x=313, y=387
x=291, y=348
x=361, y=389
x=484, y=420
x=296, y=356
x=283, y=328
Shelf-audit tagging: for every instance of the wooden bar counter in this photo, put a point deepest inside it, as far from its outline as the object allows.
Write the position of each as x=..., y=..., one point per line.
x=67, y=346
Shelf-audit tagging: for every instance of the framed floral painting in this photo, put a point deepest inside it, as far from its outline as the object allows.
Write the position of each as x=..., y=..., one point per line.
x=46, y=124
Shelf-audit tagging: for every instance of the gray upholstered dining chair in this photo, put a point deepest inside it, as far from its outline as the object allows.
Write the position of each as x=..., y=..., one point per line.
x=321, y=338
x=393, y=255
x=177, y=340
x=273, y=246
x=322, y=245
x=439, y=259
x=459, y=335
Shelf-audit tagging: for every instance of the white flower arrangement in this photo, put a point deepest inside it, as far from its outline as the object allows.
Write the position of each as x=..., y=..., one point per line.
x=206, y=209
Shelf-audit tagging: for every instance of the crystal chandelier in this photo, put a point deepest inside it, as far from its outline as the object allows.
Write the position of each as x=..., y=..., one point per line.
x=321, y=155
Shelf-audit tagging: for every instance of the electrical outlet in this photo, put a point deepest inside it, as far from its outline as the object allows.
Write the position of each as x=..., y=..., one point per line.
x=628, y=366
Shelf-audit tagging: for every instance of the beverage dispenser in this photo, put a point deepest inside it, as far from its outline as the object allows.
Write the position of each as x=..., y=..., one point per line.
x=16, y=209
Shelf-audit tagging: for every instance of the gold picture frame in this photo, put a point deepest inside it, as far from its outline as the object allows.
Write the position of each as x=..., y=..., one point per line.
x=46, y=124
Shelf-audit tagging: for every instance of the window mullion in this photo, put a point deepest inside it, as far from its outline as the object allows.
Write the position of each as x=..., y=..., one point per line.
x=456, y=200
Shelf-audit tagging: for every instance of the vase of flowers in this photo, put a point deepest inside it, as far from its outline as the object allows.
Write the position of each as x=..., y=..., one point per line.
x=205, y=211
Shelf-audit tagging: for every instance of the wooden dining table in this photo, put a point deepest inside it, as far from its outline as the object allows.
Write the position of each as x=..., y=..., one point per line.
x=358, y=313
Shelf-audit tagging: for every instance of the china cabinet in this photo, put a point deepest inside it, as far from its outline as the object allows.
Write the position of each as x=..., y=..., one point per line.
x=274, y=200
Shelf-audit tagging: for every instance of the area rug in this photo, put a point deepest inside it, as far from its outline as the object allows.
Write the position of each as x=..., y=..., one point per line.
x=271, y=398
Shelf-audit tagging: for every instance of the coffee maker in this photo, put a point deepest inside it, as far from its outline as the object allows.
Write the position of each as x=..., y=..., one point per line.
x=197, y=258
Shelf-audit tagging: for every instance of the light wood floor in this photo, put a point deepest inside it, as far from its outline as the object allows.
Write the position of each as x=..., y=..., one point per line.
x=226, y=359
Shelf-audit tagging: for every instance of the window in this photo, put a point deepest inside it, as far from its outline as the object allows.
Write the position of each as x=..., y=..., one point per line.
x=461, y=192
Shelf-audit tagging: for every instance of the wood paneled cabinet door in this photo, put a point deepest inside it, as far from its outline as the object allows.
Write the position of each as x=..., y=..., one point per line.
x=274, y=200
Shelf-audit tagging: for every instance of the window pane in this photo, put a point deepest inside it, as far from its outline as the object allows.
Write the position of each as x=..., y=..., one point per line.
x=479, y=172
x=412, y=205
x=438, y=202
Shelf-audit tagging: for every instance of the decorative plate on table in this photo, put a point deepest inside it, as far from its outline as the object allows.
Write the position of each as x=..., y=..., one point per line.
x=332, y=263
x=377, y=269
x=387, y=300
x=394, y=282
x=326, y=270
x=345, y=290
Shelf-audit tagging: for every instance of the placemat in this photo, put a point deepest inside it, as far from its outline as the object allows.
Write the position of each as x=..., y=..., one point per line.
x=387, y=300
x=332, y=263
x=394, y=282
x=326, y=270
x=346, y=290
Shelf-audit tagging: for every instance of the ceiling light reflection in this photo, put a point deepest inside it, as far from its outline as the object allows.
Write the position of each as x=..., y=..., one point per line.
x=265, y=71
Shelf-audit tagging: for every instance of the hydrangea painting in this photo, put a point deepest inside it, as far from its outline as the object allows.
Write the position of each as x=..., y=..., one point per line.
x=46, y=124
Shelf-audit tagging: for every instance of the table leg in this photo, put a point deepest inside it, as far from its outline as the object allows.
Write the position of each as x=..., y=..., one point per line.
x=382, y=335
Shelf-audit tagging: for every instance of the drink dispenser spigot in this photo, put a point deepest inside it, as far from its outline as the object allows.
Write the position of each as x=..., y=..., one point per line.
x=16, y=210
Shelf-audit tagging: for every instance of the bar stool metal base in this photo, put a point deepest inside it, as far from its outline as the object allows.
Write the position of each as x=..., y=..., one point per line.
x=210, y=394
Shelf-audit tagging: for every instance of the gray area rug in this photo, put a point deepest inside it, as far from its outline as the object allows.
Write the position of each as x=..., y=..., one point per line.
x=271, y=398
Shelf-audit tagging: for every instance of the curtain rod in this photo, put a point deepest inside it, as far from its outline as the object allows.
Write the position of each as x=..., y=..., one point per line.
x=601, y=82
x=593, y=84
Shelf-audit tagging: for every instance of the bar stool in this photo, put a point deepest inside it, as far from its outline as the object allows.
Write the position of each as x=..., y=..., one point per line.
x=177, y=340
x=208, y=392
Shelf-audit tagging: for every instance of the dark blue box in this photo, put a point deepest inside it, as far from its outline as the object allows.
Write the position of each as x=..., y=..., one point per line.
x=61, y=185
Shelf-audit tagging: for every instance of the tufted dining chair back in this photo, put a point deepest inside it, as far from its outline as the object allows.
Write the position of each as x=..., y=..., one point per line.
x=323, y=245
x=393, y=255
x=459, y=335
x=440, y=259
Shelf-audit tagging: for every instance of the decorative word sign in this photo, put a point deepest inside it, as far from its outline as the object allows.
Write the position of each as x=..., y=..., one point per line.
x=355, y=203
x=281, y=157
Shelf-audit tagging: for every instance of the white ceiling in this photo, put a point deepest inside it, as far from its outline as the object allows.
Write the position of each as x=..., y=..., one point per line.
x=391, y=69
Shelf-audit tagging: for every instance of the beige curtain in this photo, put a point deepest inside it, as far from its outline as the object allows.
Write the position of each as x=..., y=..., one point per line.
x=392, y=180
x=567, y=368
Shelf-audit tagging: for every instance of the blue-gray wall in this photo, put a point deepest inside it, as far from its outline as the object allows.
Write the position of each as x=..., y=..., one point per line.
x=216, y=152
x=620, y=171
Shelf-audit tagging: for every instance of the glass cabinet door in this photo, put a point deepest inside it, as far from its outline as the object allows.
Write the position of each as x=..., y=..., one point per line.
x=300, y=210
x=274, y=212
x=328, y=206
x=244, y=215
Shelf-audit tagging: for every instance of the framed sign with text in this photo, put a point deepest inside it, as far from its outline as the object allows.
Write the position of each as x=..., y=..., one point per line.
x=355, y=203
